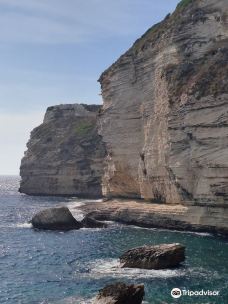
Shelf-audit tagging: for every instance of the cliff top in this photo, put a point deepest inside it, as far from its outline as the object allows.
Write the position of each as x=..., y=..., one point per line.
x=186, y=12
x=68, y=110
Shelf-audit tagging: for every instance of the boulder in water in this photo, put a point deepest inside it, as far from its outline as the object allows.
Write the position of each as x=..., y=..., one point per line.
x=55, y=219
x=154, y=257
x=120, y=293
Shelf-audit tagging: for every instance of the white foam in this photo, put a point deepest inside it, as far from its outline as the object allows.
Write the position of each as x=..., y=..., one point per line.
x=77, y=213
x=111, y=223
x=201, y=233
x=78, y=203
x=73, y=300
x=193, y=232
x=75, y=205
x=111, y=267
x=172, y=230
x=20, y=225
x=92, y=229
x=24, y=225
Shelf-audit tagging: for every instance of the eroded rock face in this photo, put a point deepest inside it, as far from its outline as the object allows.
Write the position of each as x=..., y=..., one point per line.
x=55, y=219
x=145, y=214
x=65, y=154
x=120, y=293
x=165, y=119
x=154, y=257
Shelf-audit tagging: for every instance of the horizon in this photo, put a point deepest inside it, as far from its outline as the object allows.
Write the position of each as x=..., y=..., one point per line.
x=53, y=53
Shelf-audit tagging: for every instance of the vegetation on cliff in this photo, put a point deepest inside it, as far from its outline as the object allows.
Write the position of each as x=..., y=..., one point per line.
x=65, y=154
x=184, y=3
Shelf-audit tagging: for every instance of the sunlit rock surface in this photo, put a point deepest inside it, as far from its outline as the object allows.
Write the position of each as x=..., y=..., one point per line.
x=65, y=154
x=165, y=119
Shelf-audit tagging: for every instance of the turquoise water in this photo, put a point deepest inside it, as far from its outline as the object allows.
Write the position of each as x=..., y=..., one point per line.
x=53, y=267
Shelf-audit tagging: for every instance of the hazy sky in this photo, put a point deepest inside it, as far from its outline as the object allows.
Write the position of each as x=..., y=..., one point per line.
x=53, y=51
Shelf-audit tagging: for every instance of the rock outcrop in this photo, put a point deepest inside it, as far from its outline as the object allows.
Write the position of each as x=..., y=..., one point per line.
x=145, y=214
x=55, y=219
x=120, y=293
x=60, y=218
x=165, y=119
x=65, y=154
x=154, y=257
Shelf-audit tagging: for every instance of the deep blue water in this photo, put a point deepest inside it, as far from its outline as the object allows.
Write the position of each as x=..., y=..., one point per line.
x=53, y=267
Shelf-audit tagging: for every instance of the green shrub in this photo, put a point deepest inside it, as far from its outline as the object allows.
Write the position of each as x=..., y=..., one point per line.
x=183, y=3
x=83, y=128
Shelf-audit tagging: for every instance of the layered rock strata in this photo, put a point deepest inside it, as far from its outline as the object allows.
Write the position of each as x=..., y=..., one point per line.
x=154, y=257
x=175, y=217
x=65, y=154
x=165, y=118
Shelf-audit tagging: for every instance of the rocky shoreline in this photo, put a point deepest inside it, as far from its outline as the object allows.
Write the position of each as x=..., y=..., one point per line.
x=149, y=257
x=149, y=215
x=161, y=134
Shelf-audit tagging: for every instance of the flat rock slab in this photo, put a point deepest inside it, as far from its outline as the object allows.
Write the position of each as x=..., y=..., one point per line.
x=120, y=293
x=55, y=219
x=146, y=214
x=154, y=257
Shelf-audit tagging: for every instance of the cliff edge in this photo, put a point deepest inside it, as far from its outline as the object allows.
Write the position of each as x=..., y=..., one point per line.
x=65, y=154
x=165, y=119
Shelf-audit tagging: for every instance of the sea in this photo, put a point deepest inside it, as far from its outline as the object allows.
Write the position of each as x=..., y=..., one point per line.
x=71, y=267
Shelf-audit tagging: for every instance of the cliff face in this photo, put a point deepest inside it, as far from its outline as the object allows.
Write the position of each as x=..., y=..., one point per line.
x=165, y=113
x=65, y=154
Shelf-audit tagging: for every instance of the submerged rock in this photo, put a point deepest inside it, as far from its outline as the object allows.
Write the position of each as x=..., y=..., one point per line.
x=120, y=293
x=154, y=257
x=90, y=222
x=55, y=219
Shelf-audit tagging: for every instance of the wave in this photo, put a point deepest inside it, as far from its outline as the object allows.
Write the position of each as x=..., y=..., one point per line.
x=92, y=229
x=24, y=225
x=81, y=202
x=77, y=213
x=17, y=225
x=111, y=267
x=72, y=300
x=75, y=205
x=179, y=231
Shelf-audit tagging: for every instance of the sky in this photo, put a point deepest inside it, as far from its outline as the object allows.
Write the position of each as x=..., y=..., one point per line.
x=53, y=51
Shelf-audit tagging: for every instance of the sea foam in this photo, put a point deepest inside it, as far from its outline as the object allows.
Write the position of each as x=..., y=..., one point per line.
x=111, y=267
